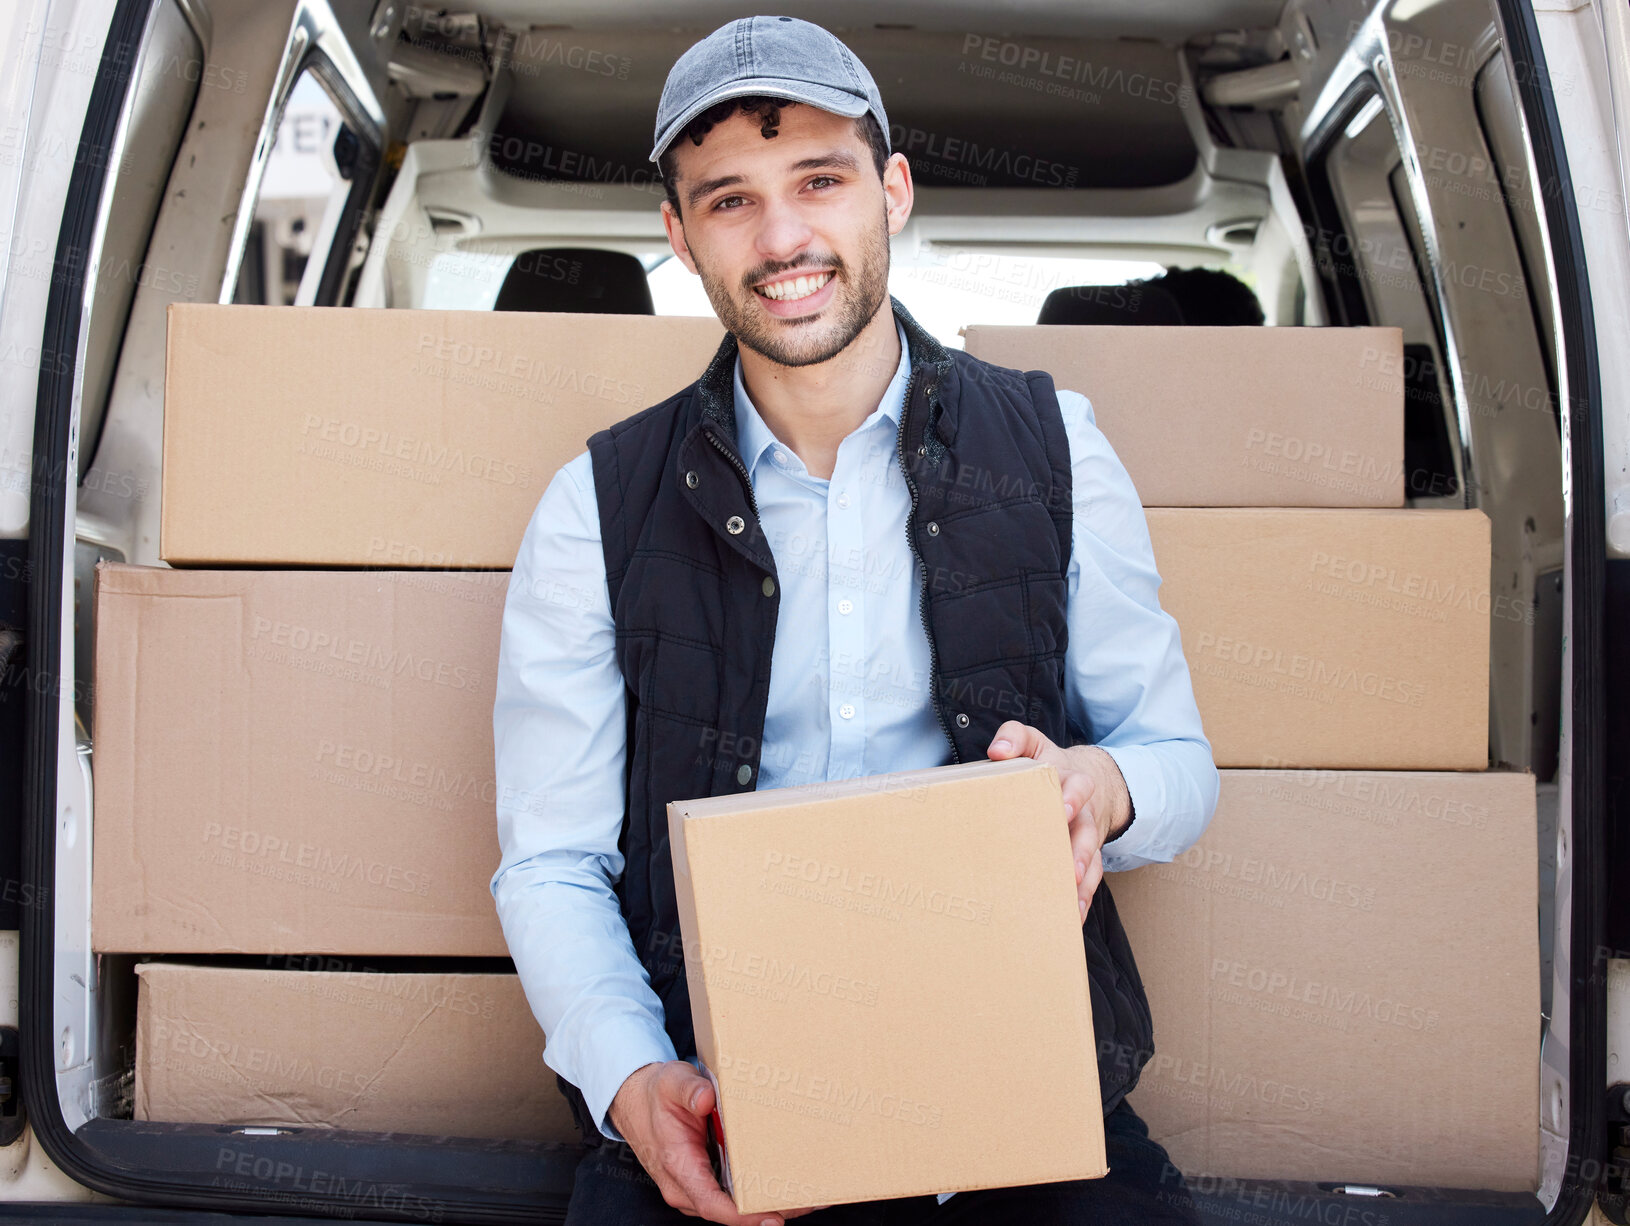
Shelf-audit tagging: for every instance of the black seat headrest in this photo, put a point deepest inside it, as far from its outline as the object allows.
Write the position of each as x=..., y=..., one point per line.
x=1110, y=304
x=1210, y=297
x=583, y=279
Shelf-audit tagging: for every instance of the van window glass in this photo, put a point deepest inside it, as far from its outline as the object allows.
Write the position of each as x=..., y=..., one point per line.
x=464, y=280
x=1508, y=174
x=309, y=181
x=1375, y=250
x=170, y=71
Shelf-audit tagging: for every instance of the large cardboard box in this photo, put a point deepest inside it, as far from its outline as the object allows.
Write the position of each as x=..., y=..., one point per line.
x=1352, y=639
x=888, y=984
x=295, y=762
x=1232, y=417
x=309, y=435
x=1344, y=976
x=439, y=1054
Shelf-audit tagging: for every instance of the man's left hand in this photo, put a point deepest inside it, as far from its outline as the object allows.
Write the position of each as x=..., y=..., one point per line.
x=1096, y=802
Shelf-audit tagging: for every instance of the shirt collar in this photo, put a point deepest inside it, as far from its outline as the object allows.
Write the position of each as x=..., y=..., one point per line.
x=754, y=436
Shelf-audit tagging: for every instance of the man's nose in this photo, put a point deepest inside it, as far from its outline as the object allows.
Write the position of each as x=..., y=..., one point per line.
x=783, y=231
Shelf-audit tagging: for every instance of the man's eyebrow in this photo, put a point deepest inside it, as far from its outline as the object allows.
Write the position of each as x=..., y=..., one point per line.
x=837, y=159
x=702, y=188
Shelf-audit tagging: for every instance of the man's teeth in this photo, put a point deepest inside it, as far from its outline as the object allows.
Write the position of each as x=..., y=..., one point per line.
x=797, y=287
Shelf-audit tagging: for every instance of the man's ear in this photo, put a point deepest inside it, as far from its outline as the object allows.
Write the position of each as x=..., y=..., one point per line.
x=676, y=235
x=897, y=191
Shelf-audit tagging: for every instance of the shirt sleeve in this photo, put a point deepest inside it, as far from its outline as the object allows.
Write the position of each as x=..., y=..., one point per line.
x=1127, y=685
x=559, y=743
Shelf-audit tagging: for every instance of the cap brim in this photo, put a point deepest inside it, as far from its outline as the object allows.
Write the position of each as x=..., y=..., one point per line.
x=838, y=101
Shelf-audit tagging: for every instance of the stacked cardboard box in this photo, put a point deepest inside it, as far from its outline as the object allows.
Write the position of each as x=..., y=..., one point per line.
x=1344, y=971
x=439, y=1054
x=1344, y=975
x=299, y=760
x=410, y=438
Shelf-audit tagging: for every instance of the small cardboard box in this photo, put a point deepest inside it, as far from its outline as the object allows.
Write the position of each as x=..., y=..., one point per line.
x=455, y=1055
x=295, y=762
x=1344, y=976
x=1232, y=417
x=301, y=436
x=1356, y=639
x=889, y=986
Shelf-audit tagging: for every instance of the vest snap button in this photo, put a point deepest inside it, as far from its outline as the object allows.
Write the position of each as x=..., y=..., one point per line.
x=734, y=525
x=769, y=586
x=933, y=528
x=692, y=480
x=743, y=773
x=962, y=719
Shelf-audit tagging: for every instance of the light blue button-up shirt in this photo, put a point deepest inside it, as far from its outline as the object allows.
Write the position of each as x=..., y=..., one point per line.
x=849, y=696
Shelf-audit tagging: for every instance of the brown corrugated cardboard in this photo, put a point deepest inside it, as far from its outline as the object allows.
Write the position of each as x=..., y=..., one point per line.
x=1352, y=639
x=308, y=435
x=1232, y=417
x=440, y=1054
x=1344, y=975
x=865, y=958
x=295, y=762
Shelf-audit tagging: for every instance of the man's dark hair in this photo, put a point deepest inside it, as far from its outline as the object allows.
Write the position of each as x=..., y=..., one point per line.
x=767, y=111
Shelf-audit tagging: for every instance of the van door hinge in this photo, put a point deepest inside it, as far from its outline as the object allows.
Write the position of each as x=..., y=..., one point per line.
x=12, y=1116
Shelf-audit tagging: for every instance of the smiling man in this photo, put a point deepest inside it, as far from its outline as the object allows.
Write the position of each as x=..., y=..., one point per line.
x=844, y=550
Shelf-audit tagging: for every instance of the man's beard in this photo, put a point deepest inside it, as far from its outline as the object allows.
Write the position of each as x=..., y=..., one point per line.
x=857, y=296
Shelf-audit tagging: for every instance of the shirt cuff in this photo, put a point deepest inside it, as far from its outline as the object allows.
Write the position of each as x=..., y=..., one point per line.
x=1138, y=841
x=621, y=1046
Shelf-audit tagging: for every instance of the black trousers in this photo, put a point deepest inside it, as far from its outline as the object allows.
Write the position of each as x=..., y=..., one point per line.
x=1142, y=1186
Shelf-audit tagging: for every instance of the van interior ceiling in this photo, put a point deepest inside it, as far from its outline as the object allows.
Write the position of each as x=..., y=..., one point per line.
x=1295, y=145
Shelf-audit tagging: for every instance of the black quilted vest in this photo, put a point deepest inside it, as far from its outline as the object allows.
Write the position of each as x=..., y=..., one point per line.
x=694, y=596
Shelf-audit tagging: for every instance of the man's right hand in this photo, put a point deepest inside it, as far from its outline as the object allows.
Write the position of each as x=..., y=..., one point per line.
x=661, y=1111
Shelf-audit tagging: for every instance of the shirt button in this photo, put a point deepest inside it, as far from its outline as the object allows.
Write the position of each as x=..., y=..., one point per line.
x=780, y=456
x=843, y=500
x=847, y=710
x=743, y=773
x=846, y=605
x=769, y=586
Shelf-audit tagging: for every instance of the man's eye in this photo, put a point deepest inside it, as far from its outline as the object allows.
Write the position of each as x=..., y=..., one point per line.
x=822, y=181
x=727, y=200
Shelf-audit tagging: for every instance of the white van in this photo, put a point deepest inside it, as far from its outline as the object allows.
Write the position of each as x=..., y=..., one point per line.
x=1453, y=168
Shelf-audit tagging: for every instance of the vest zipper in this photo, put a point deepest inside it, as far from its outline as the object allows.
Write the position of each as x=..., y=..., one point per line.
x=922, y=569
x=746, y=481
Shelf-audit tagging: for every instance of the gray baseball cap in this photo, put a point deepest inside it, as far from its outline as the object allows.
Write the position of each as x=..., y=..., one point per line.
x=783, y=57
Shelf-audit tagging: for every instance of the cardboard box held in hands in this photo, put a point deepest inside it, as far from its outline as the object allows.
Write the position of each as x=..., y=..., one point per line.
x=888, y=985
